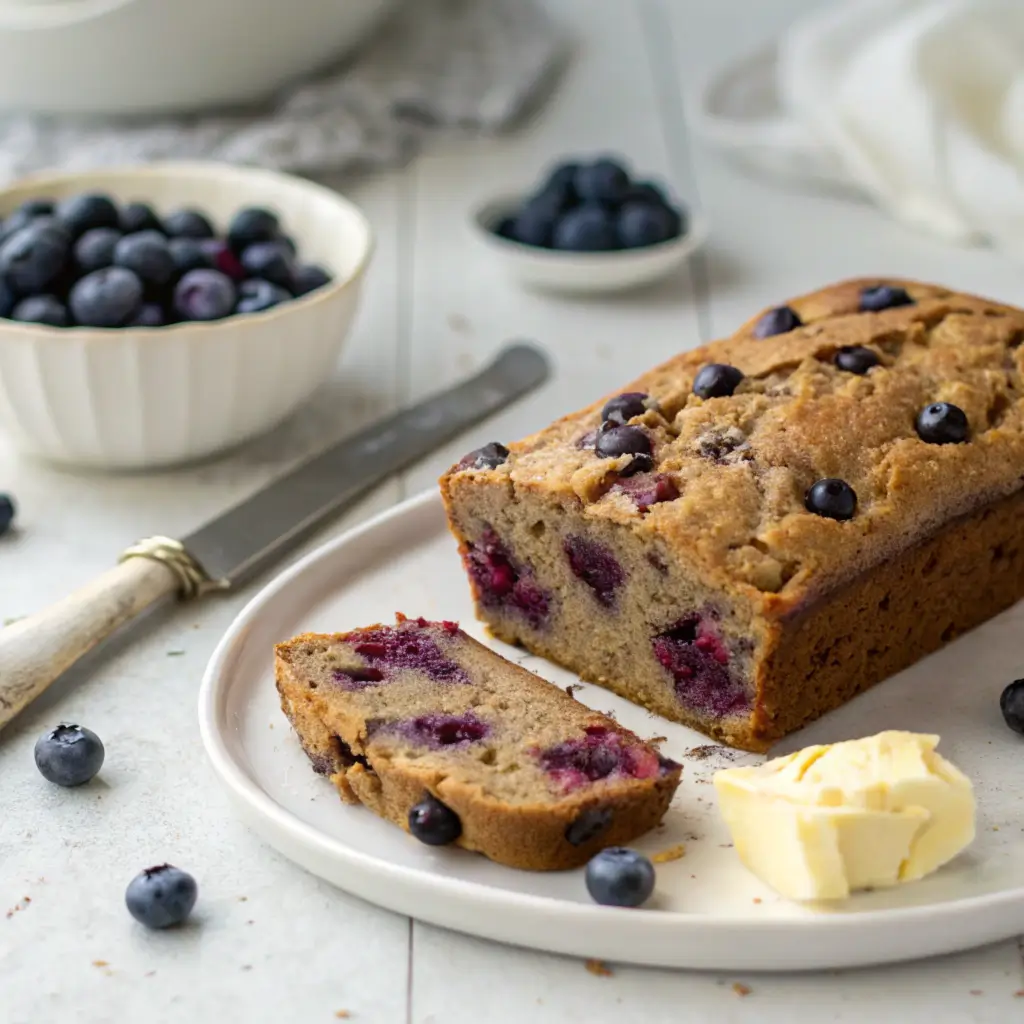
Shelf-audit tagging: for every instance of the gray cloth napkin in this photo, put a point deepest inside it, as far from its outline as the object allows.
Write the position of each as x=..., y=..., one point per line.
x=438, y=66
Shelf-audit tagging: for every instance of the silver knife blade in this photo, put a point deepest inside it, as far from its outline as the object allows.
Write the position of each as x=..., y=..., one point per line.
x=264, y=526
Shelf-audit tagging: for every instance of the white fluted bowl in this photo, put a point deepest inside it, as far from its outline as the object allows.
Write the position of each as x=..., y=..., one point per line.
x=135, y=398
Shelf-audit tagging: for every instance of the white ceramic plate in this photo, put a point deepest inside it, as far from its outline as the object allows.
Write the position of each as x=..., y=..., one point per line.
x=584, y=273
x=707, y=912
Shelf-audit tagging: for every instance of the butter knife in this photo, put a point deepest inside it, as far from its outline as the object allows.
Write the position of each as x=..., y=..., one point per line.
x=36, y=650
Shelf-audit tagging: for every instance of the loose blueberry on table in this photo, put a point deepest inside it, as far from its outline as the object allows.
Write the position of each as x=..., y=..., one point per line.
x=69, y=755
x=1011, y=703
x=88, y=261
x=618, y=877
x=161, y=897
x=7, y=513
x=593, y=206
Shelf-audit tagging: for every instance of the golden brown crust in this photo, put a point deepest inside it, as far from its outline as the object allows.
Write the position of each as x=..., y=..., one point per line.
x=520, y=819
x=889, y=618
x=801, y=420
x=739, y=529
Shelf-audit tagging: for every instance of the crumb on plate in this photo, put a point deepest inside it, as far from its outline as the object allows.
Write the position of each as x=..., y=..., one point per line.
x=672, y=853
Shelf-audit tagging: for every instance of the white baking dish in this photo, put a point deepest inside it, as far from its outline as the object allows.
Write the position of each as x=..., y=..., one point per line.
x=147, y=56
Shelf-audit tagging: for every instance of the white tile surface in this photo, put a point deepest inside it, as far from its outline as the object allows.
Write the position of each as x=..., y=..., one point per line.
x=435, y=308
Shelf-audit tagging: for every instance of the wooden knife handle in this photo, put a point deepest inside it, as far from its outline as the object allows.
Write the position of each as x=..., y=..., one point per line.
x=34, y=651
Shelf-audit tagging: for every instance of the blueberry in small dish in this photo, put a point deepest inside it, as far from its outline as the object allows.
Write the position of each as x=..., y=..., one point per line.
x=69, y=755
x=161, y=897
x=591, y=224
x=1011, y=703
x=586, y=205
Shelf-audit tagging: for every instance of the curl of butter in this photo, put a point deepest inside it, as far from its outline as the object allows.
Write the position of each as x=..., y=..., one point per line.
x=828, y=820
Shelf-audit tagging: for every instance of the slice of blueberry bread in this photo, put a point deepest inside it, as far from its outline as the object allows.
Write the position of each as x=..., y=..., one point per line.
x=441, y=736
x=758, y=530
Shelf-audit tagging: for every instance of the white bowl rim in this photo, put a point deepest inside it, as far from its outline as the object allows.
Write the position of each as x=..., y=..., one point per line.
x=484, y=214
x=195, y=168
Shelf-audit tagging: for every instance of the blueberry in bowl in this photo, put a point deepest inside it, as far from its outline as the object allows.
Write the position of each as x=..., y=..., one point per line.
x=589, y=226
x=176, y=309
x=91, y=260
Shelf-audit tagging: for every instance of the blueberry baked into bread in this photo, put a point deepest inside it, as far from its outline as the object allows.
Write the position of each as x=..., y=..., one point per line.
x=440, y=735
x=758, y=530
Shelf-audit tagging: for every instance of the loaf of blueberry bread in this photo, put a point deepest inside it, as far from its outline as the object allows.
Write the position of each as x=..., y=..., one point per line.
x=758, y=530
x=436, y=733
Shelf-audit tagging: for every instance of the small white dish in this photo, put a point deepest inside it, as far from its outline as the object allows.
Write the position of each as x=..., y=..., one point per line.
x=583, y=273
x=135, y=398
x=707, y=912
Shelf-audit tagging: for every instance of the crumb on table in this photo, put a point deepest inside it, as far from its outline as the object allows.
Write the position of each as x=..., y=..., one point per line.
x=710, y=750
x=672, y=853
x=740, y=989
x=342, y=1014
x=22, y=904
x=598, y=967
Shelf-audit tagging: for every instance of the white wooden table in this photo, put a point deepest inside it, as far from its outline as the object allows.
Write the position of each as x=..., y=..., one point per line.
x=269, y=942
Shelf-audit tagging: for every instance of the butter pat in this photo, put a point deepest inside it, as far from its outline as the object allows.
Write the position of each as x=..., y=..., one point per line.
x=828, y=820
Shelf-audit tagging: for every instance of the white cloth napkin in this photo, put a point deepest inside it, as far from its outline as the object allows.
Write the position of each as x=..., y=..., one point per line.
x=918, y=104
